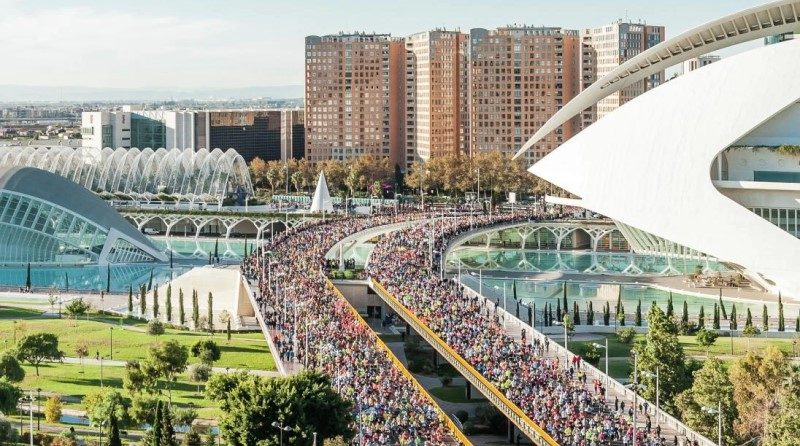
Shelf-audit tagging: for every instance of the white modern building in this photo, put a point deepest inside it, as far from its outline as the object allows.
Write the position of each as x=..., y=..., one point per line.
x=128, y=128
x=699, y=62
x=705, y=165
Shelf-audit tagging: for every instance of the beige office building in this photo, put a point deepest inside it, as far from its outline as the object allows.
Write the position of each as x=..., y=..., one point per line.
x=615, y=44
x=436, y=95
x=519, y=77
x=354, y=103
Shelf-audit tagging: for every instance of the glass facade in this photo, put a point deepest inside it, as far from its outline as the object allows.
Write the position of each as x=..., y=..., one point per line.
x=786, y=219
x=147, y=132
x=35, y=231
x=252, y=133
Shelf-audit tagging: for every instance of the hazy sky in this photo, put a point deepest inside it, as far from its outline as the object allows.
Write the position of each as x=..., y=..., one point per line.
x=238, y=43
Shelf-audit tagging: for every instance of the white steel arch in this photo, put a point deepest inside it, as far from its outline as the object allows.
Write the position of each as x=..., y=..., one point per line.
x=777, y=17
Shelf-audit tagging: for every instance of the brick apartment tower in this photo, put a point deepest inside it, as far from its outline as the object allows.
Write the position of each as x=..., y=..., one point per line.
x=519, y=77
x=354, y=90
x=615, y=44
x=437, y=101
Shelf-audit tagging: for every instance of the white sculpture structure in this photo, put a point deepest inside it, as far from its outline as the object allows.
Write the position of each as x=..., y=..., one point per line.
x=322, y=198
x=648, y=164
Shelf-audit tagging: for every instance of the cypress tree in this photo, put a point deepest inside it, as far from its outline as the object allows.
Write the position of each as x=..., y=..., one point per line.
x=168, y=303
x=781, y=320
x=181, y=311
x=716, y=316
x=620, y=314
x=167, y=430
x=195, y=310
x=722, y=306
x=130, y=298
x=607, y=314
x=797, y=323
x=734, y=324
x=155, y=430
x=670, y=308
x=550, y=317
x=210, y=313
x=764, y=318
x=558, y=311
x=685, y=314
x=155, y=302
x=108, y=279
x=566, y=307
x=229, y=329
x=590, y=314
x=749, y=321
x=576, y=313
x=28, y=277
x=66, y=282
x=150, y=282
x=701, y=319
x=143, y=300
x=638, y=317
x=113, y=429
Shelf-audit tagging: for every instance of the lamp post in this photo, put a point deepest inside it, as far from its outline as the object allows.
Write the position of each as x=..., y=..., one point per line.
x=717, y=411
x=277, y=425
x=30, y=415
x=111, y=356
x=315, y=439
x=657, y=377
x=635, y=390
x=38, y=408
x=566, y=350
x=605, y=393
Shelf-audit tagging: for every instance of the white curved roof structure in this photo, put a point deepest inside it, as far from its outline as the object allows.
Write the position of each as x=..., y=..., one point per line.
x=190, y=175
x=45, y=218
x=647, y=164
x=772, y=18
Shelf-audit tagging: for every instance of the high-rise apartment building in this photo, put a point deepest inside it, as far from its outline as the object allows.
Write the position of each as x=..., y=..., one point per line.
x=615, y=44
x=699, y=62
x=354, y=87
x=519, y=77
x=436, y=95
x=267, y=134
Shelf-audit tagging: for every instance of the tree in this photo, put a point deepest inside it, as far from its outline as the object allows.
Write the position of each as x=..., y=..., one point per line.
x=155, y=327
x=10, y=368
x=207, y=351
x=143, y=301
x=590, y=314
x=706, y=338
x=199, y=373
x=81, y=351
x=734, y=324
x=607, y=314
x=715, y=324
x=150, y=281
x=167, y=428
x=77, y=308
x=722, y=307
x=685, y=313
x=210, y=312
x=781, y=320
x=101, y=402
x=181, y=311
x=711, y=389
x=155, y=303
x=558, y=310
x=52, y=409
x=130, y=299
x=306, y=401
x=167, y=360
x=168, y=303
x=701, y=318
x=155, y=433
x=661, y=349
x=670, y=307
x=620, y=310
x=576, y=314
x=28, y=277
x=749, y=321
x=113, y=430
x=797, y=323
x=783, y=427
x=38, y=348
x=626, y=335
x=195, y=310
x=143, y=408
x=9, y=395
x=225, y=318
x=757, y=380
x=192, y=438
x=764, y=318
x=638, y=317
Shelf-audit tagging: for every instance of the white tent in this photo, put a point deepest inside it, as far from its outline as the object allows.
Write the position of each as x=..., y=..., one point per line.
x=322, y=198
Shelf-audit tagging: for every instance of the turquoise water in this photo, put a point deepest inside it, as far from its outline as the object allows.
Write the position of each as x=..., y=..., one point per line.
x=577, y=262
x=543, y=292
x=199, y=248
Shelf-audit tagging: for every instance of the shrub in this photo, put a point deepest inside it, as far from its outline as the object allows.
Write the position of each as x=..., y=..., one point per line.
x=626, y=335
x=155, y=327
x=184, y=417
x=446, y=380
x=7, y=432
x=462, y=415
x=52, y=409
x=199, y=372
x=591, y=354
x=349, y=275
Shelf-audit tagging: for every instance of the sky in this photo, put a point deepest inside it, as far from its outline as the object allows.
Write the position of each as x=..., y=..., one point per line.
x=245, y=43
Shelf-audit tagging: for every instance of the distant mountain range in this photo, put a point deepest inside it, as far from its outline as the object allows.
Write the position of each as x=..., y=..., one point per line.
x=30, y=93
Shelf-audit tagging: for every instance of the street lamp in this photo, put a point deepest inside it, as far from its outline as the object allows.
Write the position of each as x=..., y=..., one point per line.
x=505, y=318
x=657, y=377
x=596, y=345
x=111, y=356
x=38, y=408
x=566, y=350
x=717, y=411
x=277, y=425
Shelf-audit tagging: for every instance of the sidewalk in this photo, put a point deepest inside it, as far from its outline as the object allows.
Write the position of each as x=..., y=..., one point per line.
x=116, y=363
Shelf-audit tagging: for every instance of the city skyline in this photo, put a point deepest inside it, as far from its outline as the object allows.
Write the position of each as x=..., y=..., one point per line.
x=200, y=45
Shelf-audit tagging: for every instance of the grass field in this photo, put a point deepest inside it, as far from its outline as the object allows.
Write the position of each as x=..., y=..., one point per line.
x=73, y=381
x=451, y=394
x=245, y=350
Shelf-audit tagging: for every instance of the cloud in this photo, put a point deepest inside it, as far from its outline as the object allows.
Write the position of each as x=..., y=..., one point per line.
x=100, y=47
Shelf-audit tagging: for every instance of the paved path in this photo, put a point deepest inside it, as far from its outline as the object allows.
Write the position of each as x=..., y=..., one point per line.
x=116, y=363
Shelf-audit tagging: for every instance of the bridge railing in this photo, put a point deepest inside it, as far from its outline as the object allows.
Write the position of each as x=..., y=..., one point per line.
x=462, y=439
x=662, y=418
x=526, y=425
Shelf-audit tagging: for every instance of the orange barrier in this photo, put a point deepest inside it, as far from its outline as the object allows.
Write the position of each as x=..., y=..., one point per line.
x=462, y=439
x=527, y=426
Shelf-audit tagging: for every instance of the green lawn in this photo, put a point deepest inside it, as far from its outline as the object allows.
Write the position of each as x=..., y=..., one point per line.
x=73, y=382
x=245, y=350
x=741, y=345
x=451, y=394
x=391, y=337
x=18, y=313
